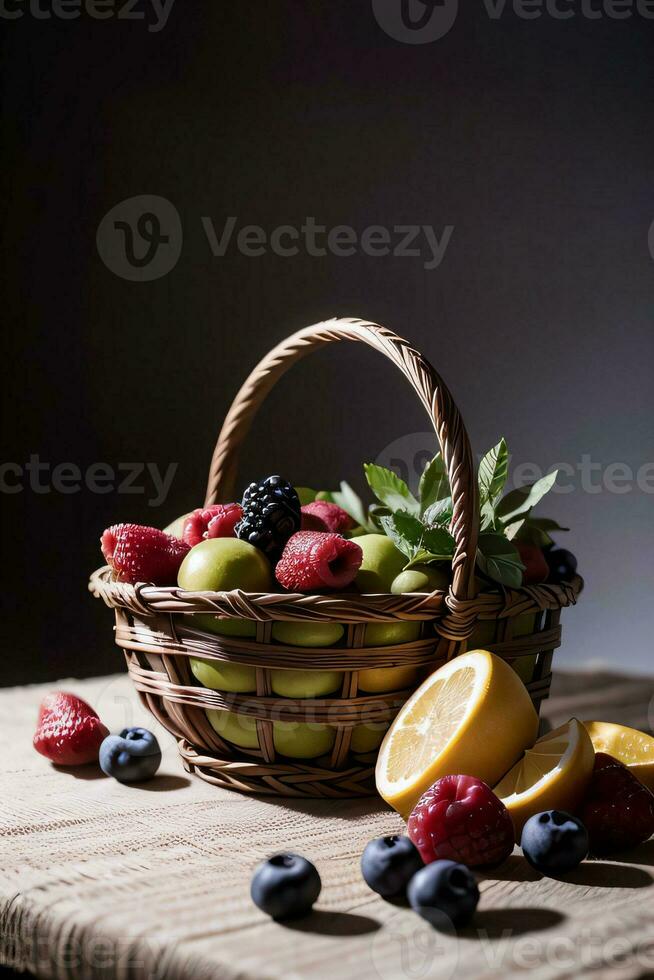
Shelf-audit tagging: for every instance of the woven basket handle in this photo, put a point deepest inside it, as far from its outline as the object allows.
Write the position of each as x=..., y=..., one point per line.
x=429, y=387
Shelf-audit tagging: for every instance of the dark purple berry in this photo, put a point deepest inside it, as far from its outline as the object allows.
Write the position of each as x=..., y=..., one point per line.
x=285, y=886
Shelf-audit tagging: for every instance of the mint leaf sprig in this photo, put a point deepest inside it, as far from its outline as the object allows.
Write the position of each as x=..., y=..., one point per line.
x=419, y=527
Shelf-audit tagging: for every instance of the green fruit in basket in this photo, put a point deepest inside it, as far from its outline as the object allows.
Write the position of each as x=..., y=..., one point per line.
x=377, y=680
x=301, y=741
x=381, y=563
x=305, y=683
x=219, y=676
x=220, y=565
x=483, y=634
x=176, y=527
x=422, y=578
x=524, y=666
x=235, y=728
x=367, y=738
x=307, y=634
x=389, y=634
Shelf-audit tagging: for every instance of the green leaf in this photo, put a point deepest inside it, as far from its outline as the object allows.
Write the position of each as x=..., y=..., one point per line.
x=351, y=503
x=417, y=542
x=513, y=530
x=439, y=512
x=439, y=543
x=536, y=530
x=493, y=472
x=434, y=484
x=423, y=557
x=499, y=560
x=547, y=524
x=390, y=489
x=405, y=531
x=487, y=516
x=519, y=502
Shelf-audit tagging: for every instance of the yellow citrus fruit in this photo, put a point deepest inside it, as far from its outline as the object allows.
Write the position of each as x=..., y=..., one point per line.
x=473, y=717
x=633, y=748
x=552, y=775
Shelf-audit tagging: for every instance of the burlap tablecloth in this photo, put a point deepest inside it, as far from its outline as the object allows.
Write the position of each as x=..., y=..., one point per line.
x=102, y=880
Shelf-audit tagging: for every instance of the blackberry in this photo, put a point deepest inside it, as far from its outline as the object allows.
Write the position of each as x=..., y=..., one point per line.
x=271, y=514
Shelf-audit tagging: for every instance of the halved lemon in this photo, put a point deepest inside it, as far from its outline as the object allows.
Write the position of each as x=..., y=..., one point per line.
x=552, y=775
x=633, y=748
x=473, y=717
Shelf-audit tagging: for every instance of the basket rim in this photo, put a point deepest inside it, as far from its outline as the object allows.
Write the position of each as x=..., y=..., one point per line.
x=151, y=600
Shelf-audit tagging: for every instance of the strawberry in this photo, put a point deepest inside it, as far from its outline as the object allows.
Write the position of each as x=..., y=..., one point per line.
x=323, y=516
x=216, y=521
x=143, y=554
x=68, y=730
x=460, y=819
x=618, y=811
x=316, y=560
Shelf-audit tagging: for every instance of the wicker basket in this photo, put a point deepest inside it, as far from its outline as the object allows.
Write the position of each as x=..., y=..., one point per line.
x=154, y=629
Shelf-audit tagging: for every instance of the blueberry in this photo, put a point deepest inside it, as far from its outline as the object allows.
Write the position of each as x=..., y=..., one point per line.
x=554, y=842
x=389, y=863
x=444, y=892
x=131, y=757
x=562, y=565
x=285, y=886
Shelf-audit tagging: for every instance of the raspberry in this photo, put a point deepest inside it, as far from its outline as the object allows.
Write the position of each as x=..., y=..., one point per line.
x=271, y=514
x=68, y=730
x=460, y=819
x=217, y=521
x=143, y=554
x=323, y=516
x=618, y=811
x=316, y=560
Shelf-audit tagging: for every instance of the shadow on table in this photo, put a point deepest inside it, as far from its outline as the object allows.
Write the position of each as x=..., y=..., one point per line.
x=334, y=924
x=592, y=873
x=642, y=854
x=159, y=784
x=348, y=809
x=502, y=922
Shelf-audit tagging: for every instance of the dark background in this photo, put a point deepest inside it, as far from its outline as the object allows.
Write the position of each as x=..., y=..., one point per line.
x=532, y=137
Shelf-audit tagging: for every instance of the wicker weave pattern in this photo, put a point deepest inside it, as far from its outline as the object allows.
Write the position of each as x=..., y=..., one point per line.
x=158, y=637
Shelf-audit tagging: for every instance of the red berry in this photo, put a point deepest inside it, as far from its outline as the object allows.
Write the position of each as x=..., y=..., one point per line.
x=315, y=560
x=460, y=819
x=533, y=558
x=217, y=521
x=143, y=554
x=618, y=810
x=68, y=730
x=323, y=516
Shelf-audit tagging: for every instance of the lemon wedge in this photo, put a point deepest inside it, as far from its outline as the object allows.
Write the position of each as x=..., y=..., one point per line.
x=632, y=748
x=552, y=775
x=473, y=717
